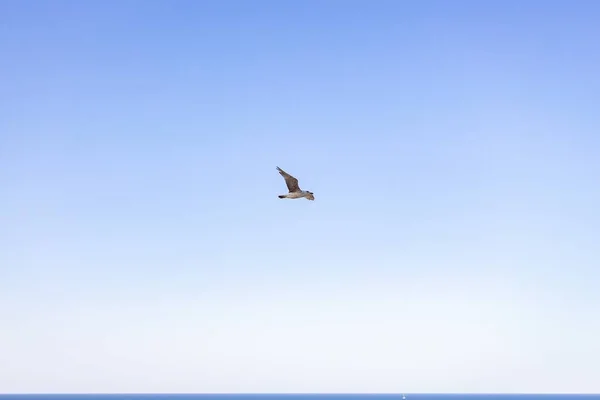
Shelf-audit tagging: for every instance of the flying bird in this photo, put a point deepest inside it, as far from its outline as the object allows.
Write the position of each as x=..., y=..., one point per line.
x=294, y=190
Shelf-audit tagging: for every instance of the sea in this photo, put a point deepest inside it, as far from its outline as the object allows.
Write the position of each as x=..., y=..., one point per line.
x=398, y=396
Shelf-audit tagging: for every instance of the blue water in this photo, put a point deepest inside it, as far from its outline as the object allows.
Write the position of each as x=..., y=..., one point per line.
x=409, y=396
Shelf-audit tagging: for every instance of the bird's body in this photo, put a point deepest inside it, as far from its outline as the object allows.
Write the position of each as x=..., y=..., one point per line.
x=296, y=195
x=294, y=191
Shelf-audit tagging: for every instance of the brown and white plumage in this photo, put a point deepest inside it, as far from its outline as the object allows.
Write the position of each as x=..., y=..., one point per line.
x=294, y=190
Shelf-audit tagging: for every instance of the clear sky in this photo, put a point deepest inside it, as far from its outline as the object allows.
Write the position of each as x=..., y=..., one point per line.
x=453, y=148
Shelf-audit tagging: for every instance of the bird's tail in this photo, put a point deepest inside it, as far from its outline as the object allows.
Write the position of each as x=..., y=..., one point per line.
x=281, y=196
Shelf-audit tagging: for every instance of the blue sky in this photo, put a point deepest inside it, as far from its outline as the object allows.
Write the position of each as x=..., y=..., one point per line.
x=452, y=148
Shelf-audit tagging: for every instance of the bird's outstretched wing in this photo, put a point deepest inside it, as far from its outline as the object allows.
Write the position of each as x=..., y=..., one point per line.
x=290, y=181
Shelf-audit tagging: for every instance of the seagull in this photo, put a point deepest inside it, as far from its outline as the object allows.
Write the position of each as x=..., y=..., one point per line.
x=294, y=190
